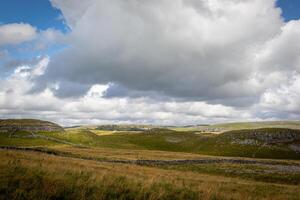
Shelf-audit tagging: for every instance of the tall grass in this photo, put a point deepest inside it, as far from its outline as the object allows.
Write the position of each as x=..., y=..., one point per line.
x=36, y=176
x=20, y=182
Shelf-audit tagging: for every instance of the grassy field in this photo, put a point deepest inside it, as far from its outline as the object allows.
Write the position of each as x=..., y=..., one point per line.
x=227, y=144
x=87, y=163
x=167, y=140
x=240, y=125
x=36, y=176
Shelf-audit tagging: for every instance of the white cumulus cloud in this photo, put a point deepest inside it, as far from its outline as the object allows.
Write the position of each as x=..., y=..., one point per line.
x=16, y=33
x=159, y=61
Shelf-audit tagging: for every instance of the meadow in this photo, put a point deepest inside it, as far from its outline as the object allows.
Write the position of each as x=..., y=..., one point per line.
x=156, y=163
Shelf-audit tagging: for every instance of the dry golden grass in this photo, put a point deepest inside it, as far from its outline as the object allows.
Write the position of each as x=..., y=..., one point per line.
x=101, y=133
x=126, y=154
x=144, y=179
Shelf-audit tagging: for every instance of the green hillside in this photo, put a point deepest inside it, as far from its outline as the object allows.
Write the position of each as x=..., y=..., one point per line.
x=239, y=126
x=255, y=143
x=156, y=163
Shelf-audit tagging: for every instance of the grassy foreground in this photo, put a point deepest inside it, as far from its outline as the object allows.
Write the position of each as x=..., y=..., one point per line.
x=157, y=163
x=37, y=176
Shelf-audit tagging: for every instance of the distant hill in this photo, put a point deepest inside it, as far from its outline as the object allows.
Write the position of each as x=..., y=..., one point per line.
x=28, y=125
x=256, y=125
x=240, y=126
x=117, y=127
x=276, y=143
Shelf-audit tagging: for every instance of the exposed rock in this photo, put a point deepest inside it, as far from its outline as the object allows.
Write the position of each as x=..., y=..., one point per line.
x=115, y=127
x=295, y=148
x=30, y=125
x=173, y=139
x=265, y=135
x=245, y=142
x=158, y=130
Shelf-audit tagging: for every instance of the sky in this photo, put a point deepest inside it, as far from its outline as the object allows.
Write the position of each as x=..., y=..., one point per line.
x=166, y=62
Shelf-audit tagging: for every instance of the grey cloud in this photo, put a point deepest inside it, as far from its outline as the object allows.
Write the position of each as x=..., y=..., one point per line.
x=184, y=48
x=92, y=108
x=120, y=91
x=71, y=89
x=9, y=64
x=13, y=63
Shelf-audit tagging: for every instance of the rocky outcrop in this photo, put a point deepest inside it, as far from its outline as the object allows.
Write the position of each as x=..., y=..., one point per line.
x=245, y=142
x=265, y=135
x=295, y=147
x=29, y=125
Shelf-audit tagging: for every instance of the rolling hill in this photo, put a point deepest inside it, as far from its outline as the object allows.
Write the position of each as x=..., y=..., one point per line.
x=41, y=161
x=218, y=128
x=28, y=125
x=279, y=143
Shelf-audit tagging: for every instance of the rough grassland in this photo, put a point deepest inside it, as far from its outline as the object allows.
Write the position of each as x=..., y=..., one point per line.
x=227, y=144
x=83, y=163
x=36, y=176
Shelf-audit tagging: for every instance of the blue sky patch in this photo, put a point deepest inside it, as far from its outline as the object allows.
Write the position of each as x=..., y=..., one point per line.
x=38, y=13
x=290, y=9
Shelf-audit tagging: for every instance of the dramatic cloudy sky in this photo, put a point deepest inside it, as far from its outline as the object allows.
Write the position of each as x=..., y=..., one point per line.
x=173, y=62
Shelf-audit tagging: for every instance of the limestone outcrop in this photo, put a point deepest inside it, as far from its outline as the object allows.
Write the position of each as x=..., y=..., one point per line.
x=30, y=125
